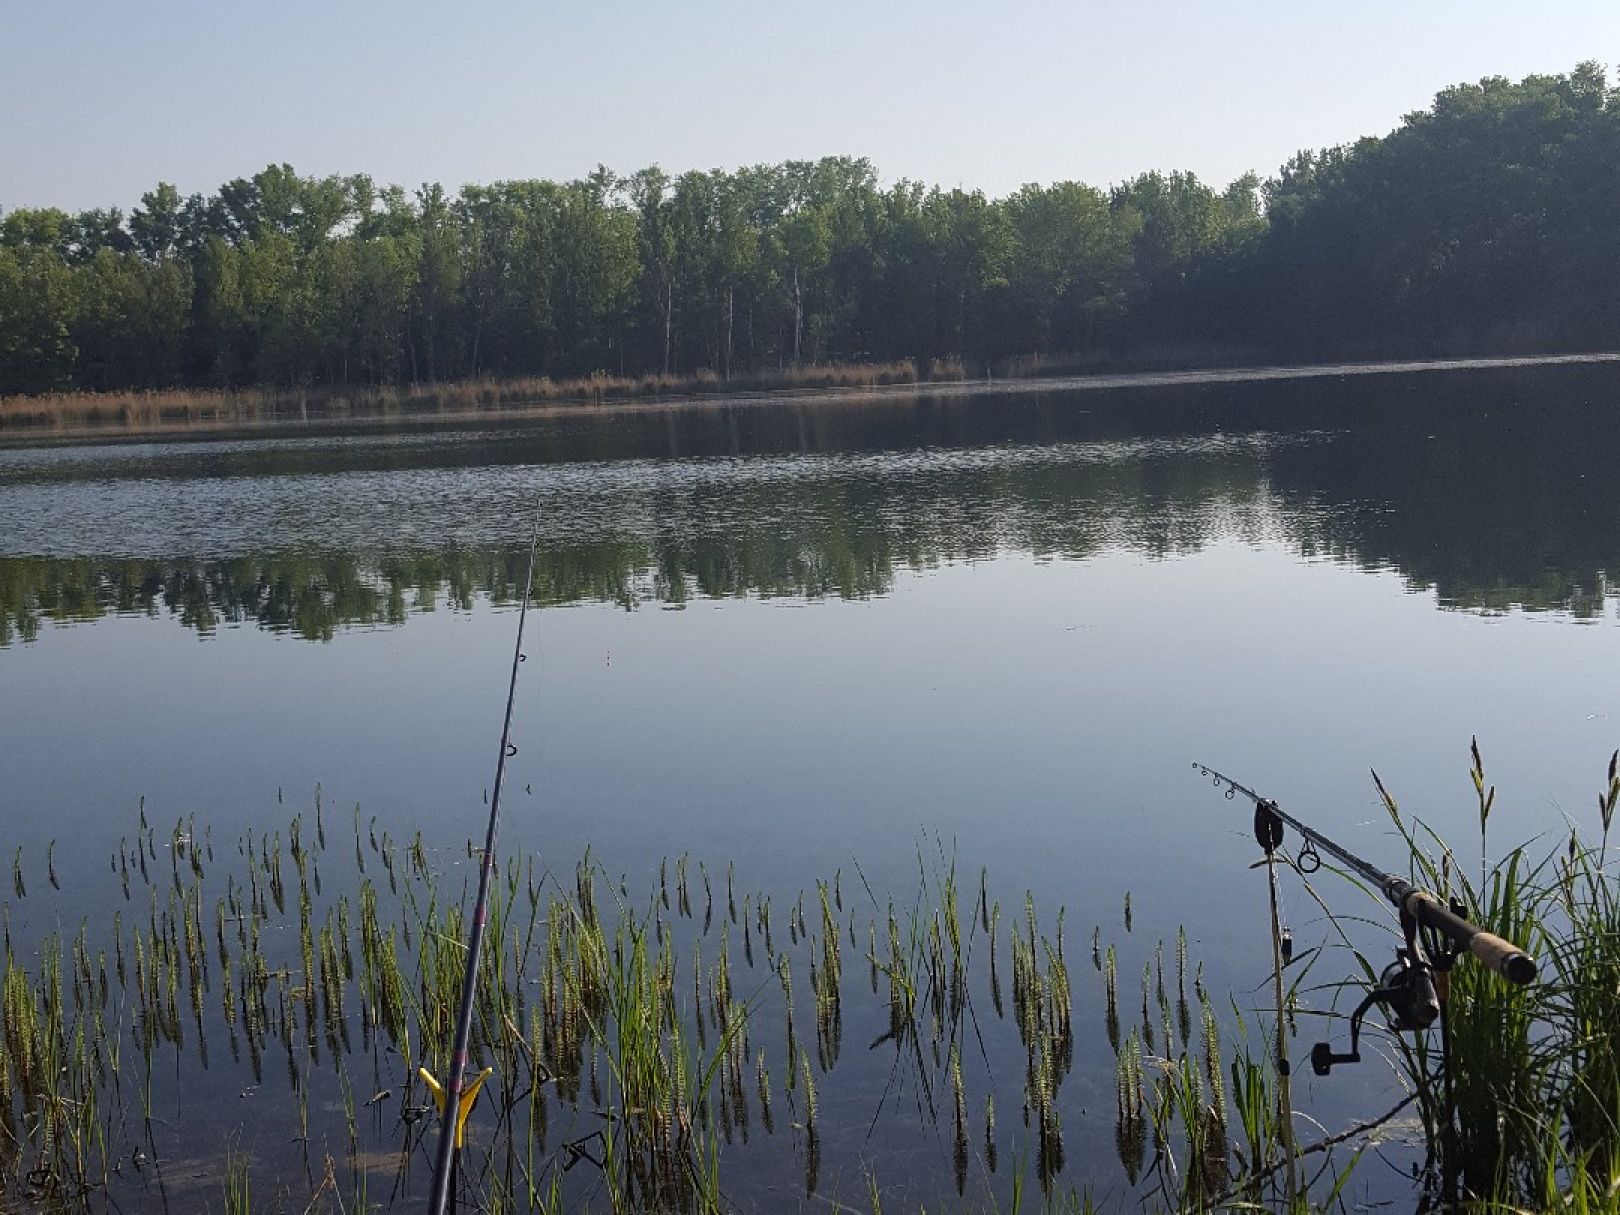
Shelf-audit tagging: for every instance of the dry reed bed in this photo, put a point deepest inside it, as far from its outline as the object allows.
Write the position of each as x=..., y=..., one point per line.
x=181, y=407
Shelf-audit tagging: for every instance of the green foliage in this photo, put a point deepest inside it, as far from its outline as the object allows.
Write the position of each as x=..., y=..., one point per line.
x=1480, y=223
x=1519, y=1088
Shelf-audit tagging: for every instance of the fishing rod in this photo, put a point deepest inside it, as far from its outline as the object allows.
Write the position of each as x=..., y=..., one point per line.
x=1408, y=987
x=456, y=1097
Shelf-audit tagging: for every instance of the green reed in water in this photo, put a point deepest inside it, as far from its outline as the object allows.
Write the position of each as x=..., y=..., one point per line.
x=613, y=1078
x=1519, y=1091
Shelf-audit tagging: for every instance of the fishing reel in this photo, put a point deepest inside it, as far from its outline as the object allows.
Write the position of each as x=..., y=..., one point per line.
x=1409, y=989
x=1413, y=988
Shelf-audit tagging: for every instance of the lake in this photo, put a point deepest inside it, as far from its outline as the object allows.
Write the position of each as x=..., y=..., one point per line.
x=872, y=638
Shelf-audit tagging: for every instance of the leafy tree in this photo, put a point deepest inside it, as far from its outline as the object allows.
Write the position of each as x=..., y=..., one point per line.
x=36, y=348
x=1068, y=267
x=1483, y=222
x=155, y=225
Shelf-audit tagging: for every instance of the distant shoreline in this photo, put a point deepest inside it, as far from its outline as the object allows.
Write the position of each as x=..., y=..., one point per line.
x=89, y=418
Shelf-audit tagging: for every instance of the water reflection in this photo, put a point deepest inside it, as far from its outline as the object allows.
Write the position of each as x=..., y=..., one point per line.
x=635, y=534
x=1492, y=489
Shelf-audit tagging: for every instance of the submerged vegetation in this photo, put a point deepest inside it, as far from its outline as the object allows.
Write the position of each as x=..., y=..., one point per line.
x=679, y=1049
x=1479, y=224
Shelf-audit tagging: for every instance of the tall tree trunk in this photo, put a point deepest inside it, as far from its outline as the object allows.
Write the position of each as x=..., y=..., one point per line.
x=669, y=308
x=731, y=314
x=798, y=316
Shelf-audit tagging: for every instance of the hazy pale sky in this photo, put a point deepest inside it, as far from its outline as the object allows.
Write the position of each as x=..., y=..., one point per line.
x=101, y=100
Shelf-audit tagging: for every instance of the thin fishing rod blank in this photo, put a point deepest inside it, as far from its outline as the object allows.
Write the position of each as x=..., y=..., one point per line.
x=1423, y=906
x=444, y=1158
x=1269, y=834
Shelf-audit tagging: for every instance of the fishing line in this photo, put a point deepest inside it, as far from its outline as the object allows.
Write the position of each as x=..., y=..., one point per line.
x=445, y=1158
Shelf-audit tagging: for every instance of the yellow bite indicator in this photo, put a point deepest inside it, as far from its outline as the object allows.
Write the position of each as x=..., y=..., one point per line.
x=469, y=1097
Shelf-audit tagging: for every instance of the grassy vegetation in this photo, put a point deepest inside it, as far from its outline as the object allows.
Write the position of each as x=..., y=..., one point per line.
x=1520, y=1096
x=640, y=1044
x=190, y=408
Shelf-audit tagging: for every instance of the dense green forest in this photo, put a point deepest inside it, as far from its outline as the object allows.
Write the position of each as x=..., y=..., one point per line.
x=1485, y=223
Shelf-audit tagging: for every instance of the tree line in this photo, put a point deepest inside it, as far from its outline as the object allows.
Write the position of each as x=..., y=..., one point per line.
x=1484, y=223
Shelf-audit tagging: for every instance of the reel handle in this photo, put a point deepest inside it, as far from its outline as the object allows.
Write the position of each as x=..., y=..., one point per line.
x=1323, y=1060
x=1504, y=957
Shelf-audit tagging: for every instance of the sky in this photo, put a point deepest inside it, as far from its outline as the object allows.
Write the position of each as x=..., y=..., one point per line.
x=102, y=99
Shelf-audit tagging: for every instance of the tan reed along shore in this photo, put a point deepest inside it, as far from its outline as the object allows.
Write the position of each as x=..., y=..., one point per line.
x=180, y=408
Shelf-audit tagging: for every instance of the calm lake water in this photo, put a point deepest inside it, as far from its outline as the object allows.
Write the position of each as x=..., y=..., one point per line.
x=804, y=638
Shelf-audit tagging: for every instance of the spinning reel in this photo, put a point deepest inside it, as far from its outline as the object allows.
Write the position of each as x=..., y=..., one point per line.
x=1410, y=989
